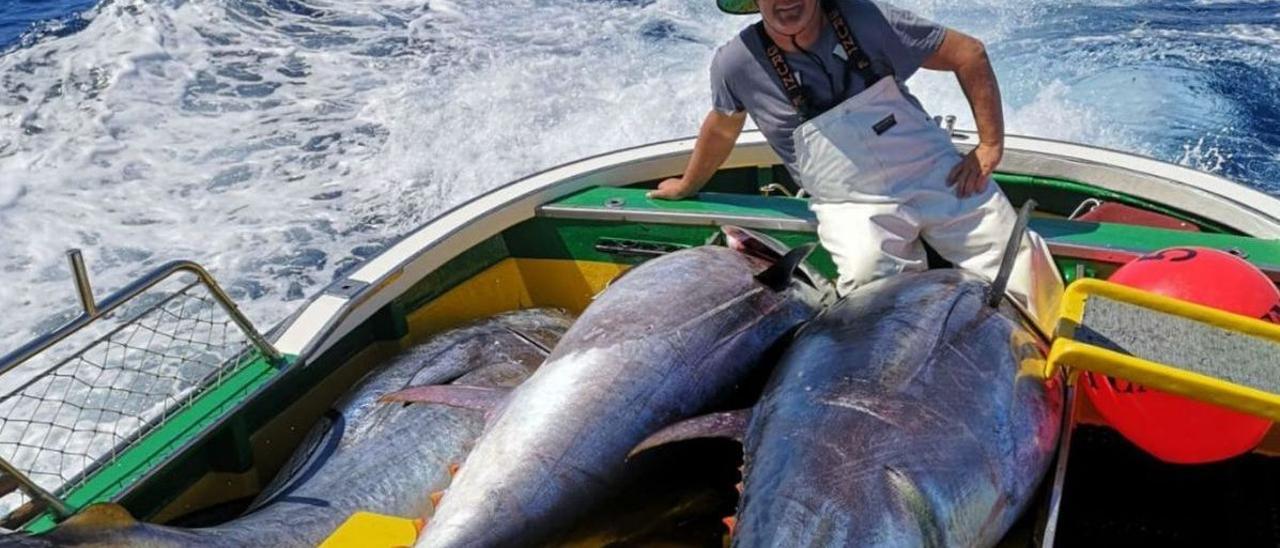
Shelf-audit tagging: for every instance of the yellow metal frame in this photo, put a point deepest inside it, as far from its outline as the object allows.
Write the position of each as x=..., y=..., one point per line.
x=1080, y=356
x=1073, y=303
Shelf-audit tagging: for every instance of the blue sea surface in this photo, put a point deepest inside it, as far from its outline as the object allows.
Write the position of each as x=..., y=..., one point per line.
x=283, y=142
x=35, y=18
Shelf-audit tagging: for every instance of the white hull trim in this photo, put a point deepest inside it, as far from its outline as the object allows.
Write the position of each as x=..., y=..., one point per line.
x=328, y=317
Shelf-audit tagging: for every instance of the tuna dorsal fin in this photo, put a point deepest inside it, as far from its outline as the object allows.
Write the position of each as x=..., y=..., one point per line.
x=727, y=424
x=778, y=276
x=752, y=243
x=480, y=398
x=105, y=515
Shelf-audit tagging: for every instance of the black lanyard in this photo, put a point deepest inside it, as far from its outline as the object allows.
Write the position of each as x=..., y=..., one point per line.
x=856, y=61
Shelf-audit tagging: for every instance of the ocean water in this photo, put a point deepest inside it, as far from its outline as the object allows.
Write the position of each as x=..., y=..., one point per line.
x=282, y=142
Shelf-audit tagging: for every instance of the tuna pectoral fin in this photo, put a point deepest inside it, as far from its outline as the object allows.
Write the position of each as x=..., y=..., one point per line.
x=467, y=397
x=778, y=276
x=729, y=424
x=912, y=501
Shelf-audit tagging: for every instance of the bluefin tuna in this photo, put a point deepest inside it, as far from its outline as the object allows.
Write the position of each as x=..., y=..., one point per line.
x=366, y=454
x=670, y=339
x=910, y=413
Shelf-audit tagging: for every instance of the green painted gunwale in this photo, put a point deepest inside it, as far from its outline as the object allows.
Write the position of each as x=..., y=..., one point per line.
x=1053, y=195
x=1118, y=237
x=151, y=450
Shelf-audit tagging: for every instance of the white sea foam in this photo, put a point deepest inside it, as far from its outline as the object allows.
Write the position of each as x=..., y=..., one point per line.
x=1205, y=155
x=281, y=146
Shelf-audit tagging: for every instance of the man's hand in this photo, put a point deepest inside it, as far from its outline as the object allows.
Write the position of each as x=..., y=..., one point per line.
x=967, y=57
x=715, y=141
x=972, y=174
x=671, y=189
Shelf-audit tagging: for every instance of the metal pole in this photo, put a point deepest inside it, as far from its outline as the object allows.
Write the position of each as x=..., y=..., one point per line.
x=1049, y=532
x=81, y=276
x=774, y=187
x=54, y=503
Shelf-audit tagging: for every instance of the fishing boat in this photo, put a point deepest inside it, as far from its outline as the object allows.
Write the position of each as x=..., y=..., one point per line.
x=162, y=397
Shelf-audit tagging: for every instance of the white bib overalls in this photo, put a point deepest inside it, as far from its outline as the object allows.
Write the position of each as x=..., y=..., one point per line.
x=876, y=167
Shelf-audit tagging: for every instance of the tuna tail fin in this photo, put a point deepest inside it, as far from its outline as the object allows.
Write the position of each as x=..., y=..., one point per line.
x=728, y=424
x=479, y=398
x=778, y=276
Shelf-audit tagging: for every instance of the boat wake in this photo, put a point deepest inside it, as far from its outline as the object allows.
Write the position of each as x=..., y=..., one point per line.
x=282, y=142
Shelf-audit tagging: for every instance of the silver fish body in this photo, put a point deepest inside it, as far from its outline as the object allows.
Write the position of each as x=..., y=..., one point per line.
x=365, y=455
x=671, y=338
x=907, y=414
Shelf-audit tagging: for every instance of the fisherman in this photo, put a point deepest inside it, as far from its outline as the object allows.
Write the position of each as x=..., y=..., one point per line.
x=824, y=80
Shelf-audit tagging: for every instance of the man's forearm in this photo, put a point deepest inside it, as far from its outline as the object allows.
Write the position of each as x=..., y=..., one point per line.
x=978, y=81
x=716, y=139
x=967, y=57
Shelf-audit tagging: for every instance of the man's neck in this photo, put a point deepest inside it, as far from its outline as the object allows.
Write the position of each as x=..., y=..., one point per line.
x=805, y=38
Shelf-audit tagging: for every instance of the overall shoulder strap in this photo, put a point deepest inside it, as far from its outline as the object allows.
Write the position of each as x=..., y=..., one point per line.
x=857, y=60
x=787, y=77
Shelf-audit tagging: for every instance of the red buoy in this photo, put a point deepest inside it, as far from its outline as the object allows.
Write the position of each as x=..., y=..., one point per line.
x=1175, y=428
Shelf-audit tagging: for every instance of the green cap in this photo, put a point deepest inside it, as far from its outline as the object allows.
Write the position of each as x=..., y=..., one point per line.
x=738, y=7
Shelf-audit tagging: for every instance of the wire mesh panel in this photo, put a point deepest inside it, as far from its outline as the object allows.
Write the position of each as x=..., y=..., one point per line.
x=149, y=361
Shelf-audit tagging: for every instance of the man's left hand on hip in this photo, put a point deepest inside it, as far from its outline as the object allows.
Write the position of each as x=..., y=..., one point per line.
x=972, y=174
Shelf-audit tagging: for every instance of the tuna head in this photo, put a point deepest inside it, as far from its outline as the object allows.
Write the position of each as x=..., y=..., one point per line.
x=672, y=338
x=906, y=414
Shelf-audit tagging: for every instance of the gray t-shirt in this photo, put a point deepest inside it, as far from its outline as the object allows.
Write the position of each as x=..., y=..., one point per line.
x=897, y=42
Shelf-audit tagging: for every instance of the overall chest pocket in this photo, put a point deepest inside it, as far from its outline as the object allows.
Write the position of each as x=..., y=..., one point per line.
x=907, y=143
x=835, y=161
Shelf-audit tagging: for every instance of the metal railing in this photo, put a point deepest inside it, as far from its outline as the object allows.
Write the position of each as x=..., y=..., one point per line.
x=94, y=311
x=160, y=357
